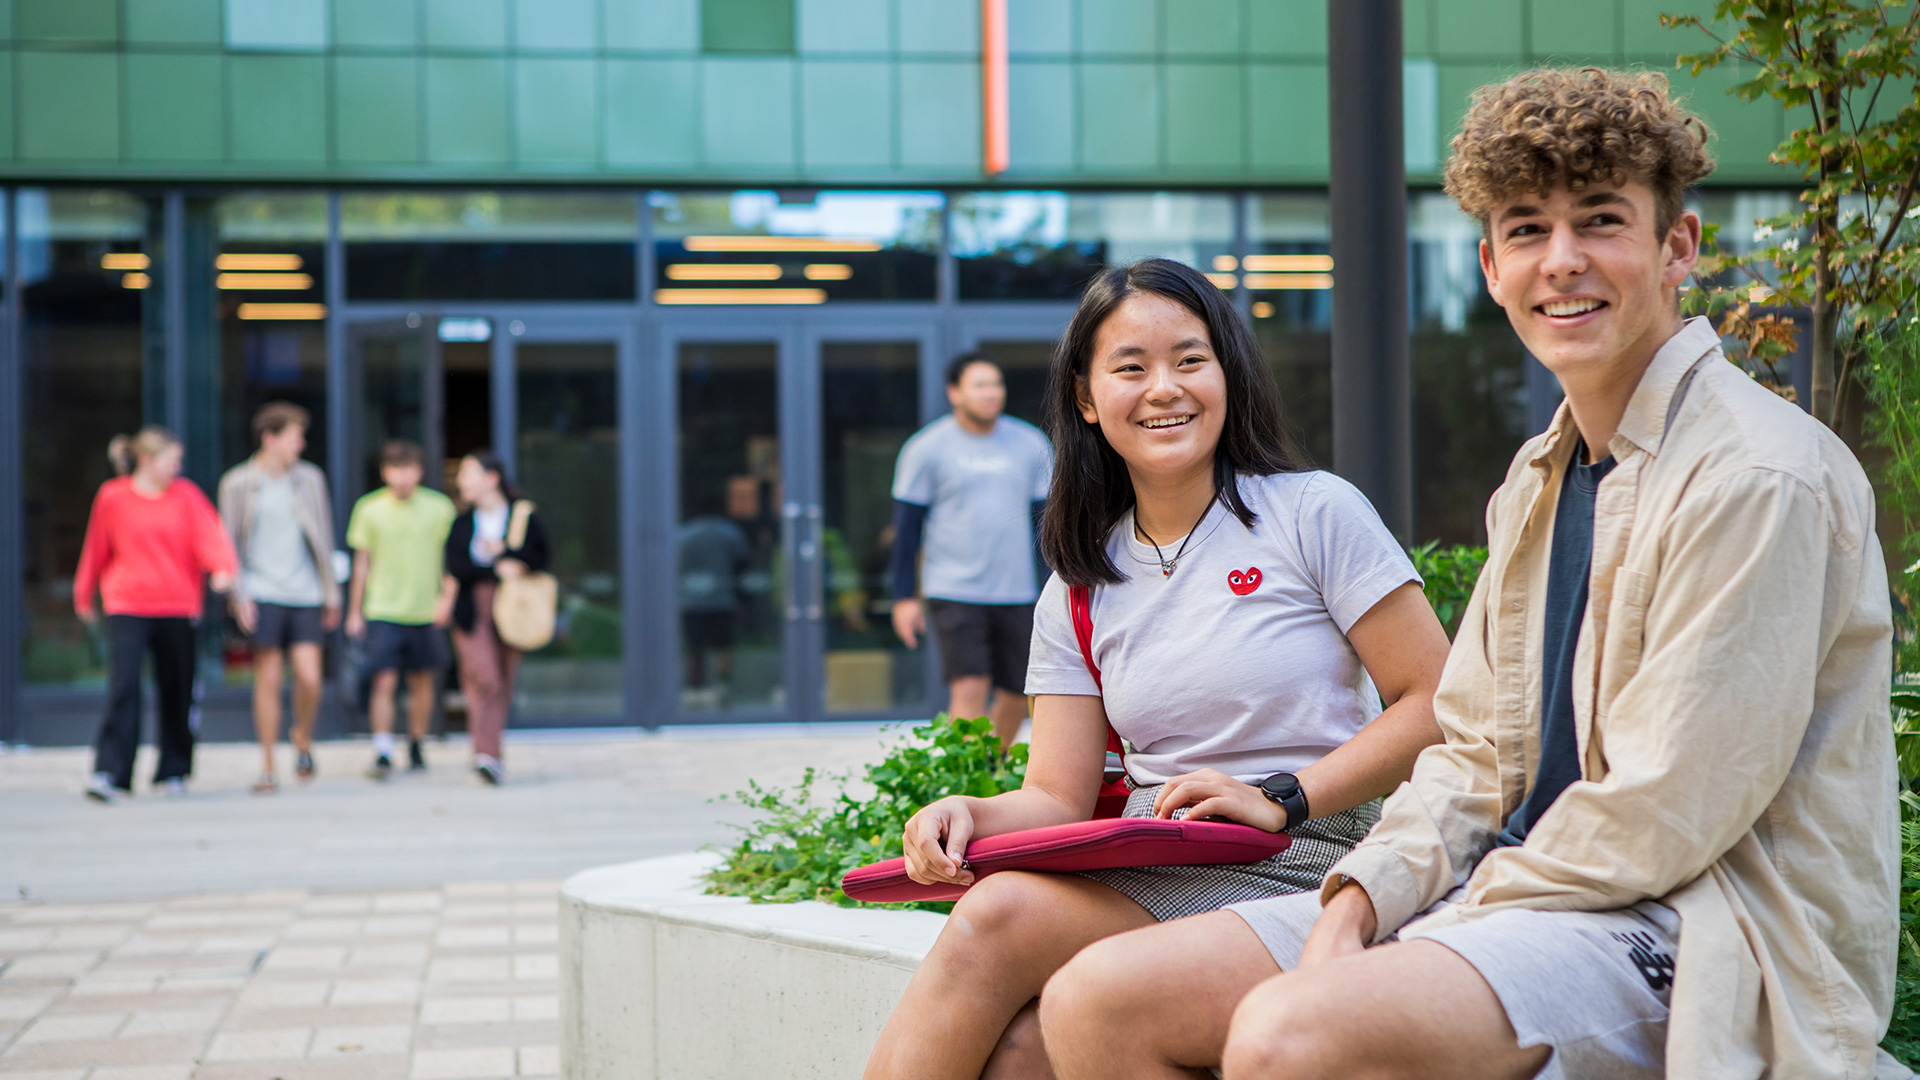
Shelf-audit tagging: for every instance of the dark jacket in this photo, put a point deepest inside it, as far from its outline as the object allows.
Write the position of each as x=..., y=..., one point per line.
x=460, y=564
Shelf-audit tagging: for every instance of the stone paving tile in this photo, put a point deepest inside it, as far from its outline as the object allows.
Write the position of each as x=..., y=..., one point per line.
x=172, y=1021
x=355, y=1067
x=143, y=1072
x=255, y=1045
x=276, y=993
x=473, y=1036
x=473, y=1064
x=56, y=1028
x=539, y=1060
x=471, y=1010
x=42, y=1074
x=366, y=1039
x=81, y=1053
x=374, y=992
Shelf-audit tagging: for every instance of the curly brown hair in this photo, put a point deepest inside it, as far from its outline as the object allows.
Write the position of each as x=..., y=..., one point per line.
x=1576, y=126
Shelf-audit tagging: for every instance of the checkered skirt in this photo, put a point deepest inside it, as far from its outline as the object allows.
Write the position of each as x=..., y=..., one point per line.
x=1173, y=892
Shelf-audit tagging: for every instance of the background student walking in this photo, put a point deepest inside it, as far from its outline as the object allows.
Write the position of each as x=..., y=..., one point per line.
x=153, y=545
x=973, y=484
x=278, y=515
x=398, y=534
x=483, y=550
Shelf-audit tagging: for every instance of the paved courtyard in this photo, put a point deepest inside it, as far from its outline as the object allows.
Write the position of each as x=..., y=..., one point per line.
x=346, y=929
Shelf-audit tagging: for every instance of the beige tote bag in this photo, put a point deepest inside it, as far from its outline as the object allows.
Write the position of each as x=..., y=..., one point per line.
x=524, y=608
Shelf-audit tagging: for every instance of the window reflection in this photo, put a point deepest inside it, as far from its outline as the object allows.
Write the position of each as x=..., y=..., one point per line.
x=795, y=248
x=1288, y=272
x=489, y=246
x=1045, y=245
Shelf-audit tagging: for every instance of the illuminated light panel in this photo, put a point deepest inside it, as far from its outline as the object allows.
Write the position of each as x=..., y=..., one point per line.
x=246, y=261
x=1291, y=263
x=1262, y=310
x=1223, y=282
x=739, y=296
x=1289, y=281
x=135, y=280
x=724, y=271
x=287, y=312
x=287, y=282
x=1226, y=264
x=828, y=271
x=124, y=260
x=776, y=243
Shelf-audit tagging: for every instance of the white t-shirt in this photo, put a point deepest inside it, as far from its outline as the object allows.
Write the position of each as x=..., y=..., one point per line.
x=980, y=491
x=1239, y=661
x=487, y=525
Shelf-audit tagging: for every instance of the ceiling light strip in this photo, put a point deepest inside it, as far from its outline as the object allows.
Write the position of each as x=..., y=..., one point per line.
x=739, y=296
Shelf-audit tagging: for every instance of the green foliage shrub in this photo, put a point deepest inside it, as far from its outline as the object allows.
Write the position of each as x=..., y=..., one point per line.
x=1449, y=573
x=800, y=846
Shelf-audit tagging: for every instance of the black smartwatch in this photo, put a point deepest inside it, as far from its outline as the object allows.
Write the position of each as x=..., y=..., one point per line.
x=1284, y=788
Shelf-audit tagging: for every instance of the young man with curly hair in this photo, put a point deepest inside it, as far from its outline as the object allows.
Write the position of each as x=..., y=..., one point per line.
x=1661, y=836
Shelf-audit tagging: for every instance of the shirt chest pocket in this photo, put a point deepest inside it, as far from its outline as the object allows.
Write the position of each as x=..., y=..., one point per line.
x=1625, y=635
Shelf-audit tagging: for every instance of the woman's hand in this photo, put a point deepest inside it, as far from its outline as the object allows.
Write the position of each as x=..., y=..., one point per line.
x=495, y=548
x=936, y=843
x=508, y=569
x=1211, y=793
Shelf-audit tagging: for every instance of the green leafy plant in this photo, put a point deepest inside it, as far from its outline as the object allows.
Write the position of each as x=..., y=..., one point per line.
x=1449, y=573
x=802, y=843
x=1903, y=1034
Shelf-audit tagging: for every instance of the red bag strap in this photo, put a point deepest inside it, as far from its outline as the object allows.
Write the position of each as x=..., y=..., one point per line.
x=1080, y=603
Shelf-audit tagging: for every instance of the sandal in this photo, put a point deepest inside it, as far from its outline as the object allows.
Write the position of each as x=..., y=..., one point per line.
x=266, y=785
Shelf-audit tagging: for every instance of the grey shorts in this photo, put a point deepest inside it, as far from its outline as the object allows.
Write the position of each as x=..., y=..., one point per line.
x=1596, y=986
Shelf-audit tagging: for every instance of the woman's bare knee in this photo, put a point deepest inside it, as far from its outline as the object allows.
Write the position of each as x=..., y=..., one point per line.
x=1021, y=1053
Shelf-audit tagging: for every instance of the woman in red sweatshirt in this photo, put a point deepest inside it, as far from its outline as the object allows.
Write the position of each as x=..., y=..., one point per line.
x=153, y=539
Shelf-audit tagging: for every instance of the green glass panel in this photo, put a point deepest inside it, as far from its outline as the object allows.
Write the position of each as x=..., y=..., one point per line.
x=376, y=109
x=938, y=26
x=1457, y=84
x=1287, y=114
x=174, y=22
x=844, y=26
x=652, y=114
x=554, y=24
x=1416, y=27
x=467, y=24
x=466, y=110
x=1203, y=27
x=557, y=112
x=1206, y=118
x=746, y=26
x=173, y=108
x=845, y=121
x=747, y=121
x=1123, y=132
x=68, y=20
x=654, y=25
x=282, y=25
x=1575, y=29
x=1298, y=29
x=69, y=106
x=1040, y=27
x=1040, y=131
x=940, y=116
x=1120, y=27
x=393, y=24
x=6, y=105
x=1744, y=133
x=1483, y=28
x=277, y=108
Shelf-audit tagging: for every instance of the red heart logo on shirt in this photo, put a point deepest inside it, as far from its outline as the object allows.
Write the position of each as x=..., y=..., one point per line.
x=1243, y=582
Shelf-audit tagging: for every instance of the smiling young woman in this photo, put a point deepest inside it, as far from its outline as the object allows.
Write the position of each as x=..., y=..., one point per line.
x=1244, y=607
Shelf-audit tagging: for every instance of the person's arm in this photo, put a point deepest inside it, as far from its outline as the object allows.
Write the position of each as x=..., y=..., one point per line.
x=457, y=556
x=357, y=591
x=1404, y=649
x=909, y=525
x=212, y=546
x=330, y=586
x=443, y=607
x=96, y=551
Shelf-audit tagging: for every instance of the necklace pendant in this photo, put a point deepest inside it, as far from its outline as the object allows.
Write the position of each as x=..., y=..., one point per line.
x=1166, y=568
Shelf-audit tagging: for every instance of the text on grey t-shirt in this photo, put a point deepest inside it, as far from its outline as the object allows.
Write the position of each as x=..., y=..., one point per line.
x=979, y=491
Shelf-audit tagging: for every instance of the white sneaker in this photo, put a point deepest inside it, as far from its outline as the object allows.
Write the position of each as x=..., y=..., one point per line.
x=100, y=789
x=488, y=767
x=176, y=787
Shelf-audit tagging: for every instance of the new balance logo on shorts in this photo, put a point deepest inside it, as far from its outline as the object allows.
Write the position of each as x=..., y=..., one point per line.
x=1655, y=967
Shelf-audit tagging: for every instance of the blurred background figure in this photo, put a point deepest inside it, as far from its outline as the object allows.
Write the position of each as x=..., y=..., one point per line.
x=713, y=553
x=279, y=517
x=153, y=543
x=398, y=535
x=481, y=551
x=973, y=484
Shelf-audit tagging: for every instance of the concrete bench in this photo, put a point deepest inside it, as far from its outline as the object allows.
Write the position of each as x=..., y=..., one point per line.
x=659, y=981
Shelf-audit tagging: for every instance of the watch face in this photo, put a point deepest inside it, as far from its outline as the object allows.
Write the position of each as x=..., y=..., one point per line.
x=1280, y=785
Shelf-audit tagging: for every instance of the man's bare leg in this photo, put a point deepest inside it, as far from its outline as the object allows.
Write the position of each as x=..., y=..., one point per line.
x=380, y=701
x=304, y=658
x=268, y=671
x=1412, y=1008
x=1104, y=1016
x=1004, y=939
x=420, y=691
x=1009, y=712
x=967, y=696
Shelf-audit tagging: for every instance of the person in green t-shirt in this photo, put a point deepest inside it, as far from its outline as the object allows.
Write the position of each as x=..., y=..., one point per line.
x=398, y=535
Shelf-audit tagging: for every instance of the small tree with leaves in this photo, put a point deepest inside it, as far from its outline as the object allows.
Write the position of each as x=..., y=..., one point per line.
x=1849, y=254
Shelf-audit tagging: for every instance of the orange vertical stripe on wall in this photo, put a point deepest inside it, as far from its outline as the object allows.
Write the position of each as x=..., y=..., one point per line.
x=993, y=85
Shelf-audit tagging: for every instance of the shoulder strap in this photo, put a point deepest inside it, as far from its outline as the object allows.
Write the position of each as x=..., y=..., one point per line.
x=517, y=528
x=1080, y=603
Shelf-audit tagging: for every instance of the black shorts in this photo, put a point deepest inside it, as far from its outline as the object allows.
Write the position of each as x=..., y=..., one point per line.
x=707, y=631
x=404, y=647
x=984, y=639
x=277, y=626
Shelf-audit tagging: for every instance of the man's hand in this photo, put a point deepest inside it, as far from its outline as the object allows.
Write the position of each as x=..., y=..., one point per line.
x=909, y=621
x=443, y=612
x=245, y=612
x=329, y=618
x=356, y=625
x=1345, y=927
x=1211, y=793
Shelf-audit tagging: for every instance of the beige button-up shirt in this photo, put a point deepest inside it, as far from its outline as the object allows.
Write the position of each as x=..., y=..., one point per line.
x=1731, y=708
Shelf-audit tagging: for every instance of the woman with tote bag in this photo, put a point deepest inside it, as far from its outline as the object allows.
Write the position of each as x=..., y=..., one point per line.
x=497, y=543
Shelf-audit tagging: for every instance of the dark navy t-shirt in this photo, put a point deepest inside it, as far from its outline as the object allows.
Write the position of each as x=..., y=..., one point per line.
x=1567, y=570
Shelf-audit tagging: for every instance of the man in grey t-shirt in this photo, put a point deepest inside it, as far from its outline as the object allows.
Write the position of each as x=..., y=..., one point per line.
x=972, y=483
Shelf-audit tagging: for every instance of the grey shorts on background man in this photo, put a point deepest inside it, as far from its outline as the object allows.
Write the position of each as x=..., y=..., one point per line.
x=1594, y=985
x=405, y=647
x=278, y=626
x=983, y=639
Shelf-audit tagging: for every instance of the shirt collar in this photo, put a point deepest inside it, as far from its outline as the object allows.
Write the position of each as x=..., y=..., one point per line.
x=1645, y=421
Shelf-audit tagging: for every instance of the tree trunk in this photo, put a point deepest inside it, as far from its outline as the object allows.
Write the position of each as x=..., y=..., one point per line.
x=1826, y=327
x=1826, y=244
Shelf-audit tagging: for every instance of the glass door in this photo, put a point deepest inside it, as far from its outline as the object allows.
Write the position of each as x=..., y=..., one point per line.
x=393, y=373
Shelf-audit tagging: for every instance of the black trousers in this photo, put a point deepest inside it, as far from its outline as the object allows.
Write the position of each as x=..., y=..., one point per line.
x=129, y=639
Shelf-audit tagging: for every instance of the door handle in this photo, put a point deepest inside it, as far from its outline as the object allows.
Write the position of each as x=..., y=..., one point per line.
x=792, y=545
x=816, y=599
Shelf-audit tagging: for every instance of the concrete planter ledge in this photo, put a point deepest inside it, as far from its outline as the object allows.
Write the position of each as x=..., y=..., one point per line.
x=659, y=981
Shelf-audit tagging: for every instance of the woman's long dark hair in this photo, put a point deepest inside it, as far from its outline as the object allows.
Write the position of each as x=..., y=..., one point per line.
x=491, y=462
x=1091, y=488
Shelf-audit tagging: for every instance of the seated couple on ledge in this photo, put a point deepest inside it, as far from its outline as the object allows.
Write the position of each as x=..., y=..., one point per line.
x=1643, y=816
